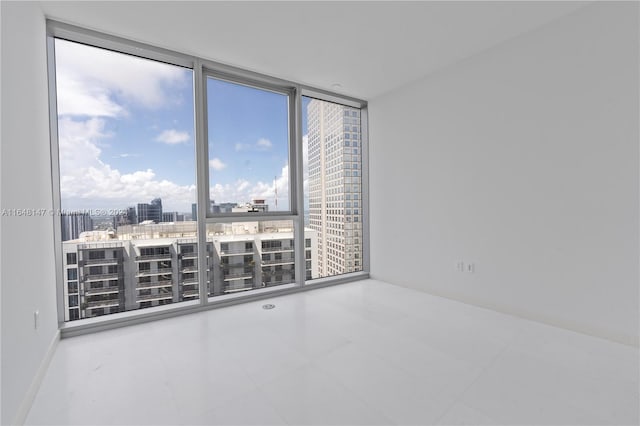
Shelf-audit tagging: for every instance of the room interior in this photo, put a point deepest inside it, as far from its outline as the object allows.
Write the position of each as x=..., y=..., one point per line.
x=500, y=134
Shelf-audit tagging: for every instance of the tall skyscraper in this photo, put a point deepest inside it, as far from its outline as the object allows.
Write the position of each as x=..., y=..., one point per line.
x=132, y=217
x=125, y=218
x=335, y=185
x=74, y=223
x=213, y=208
x=152, y=211
x=172, y=217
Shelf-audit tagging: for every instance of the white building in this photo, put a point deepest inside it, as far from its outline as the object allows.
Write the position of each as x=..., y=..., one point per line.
x=149, y=265
x=335, y=186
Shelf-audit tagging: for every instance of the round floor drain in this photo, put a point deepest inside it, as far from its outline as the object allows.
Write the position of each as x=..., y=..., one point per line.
x=268, y=306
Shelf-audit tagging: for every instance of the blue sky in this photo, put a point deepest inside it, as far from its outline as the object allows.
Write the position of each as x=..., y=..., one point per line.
x=126, y=134
x=160, y=139
x=248, y=140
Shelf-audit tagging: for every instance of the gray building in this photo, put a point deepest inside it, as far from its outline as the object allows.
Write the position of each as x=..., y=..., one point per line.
x=151, y=211
x=172, y=217
x=74, y=223
x=126, y=218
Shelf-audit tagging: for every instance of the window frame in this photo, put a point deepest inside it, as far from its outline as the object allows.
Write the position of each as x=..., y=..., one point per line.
x=203, y=69
x=270, y=85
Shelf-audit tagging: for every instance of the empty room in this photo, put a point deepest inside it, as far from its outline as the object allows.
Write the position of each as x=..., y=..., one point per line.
x=320, y=213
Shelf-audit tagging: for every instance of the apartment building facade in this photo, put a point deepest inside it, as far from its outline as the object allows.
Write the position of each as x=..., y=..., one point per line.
x=142, y=266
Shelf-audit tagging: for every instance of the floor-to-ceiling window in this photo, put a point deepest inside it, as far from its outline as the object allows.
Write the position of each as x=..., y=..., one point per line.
x=127, y=181
x=334, y=207
x=183, y=182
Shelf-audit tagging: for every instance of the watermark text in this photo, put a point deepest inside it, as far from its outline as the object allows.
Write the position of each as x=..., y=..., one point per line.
x=28, y=212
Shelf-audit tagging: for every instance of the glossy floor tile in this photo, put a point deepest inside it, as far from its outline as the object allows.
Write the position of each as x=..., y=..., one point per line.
x=364, y=353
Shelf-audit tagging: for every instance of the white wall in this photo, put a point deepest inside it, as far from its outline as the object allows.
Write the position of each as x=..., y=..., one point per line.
x=27, y=269
x=524, y=160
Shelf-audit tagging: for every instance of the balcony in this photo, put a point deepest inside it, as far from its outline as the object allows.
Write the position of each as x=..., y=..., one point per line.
x=190, y=255
x=191, y=293
x=277, y=249
x=101, y=290
x=190, y=269
x=236, y=252
x=103, y=304
x=100, y=246
x=148, y=257
x=190, y=281
x=241, y=276
x=159, y=271
x=274, y=283
x=156, y=284
x=105, y=262
x=237, y=290
x=100, y=277
x=278, y=262
x=270, y=273
x=224, y=265
x=151, y=297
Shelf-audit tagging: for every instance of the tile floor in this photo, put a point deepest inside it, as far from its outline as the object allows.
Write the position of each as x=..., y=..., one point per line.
x=364, y=353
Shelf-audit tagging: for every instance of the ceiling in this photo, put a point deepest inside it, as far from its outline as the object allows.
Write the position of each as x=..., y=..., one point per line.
x=369, y=48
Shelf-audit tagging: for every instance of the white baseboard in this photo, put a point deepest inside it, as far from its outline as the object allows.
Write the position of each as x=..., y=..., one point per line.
x=29, y=397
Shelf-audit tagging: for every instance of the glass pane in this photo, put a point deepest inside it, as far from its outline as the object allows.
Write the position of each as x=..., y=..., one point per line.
x=127, y=181
x=332, y=152
x=248, y=132
x=250, y=255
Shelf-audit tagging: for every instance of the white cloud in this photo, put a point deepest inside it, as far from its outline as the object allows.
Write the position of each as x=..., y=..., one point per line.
x=243, y=191
x=77, y=97
x=217, y=164
x=87, y=182
x=243, y=185
x=242, y=147
x=95, y=85
x=173, y=137
x=264, y=144
x=90, y=80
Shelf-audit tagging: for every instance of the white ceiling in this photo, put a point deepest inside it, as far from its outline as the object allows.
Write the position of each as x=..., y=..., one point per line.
x=368, y=47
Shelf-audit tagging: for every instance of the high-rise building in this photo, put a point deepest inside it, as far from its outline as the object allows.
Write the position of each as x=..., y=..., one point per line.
x=255, y=206
x=172, y=217
x=151, y=211
x=125, y=218
x=335, y=185
x=106, y=272
x=132, y=217
x=213, y=208
x=225, y=207
x=74, y=223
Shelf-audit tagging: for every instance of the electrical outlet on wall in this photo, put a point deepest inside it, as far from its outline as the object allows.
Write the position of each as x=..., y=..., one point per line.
x=460, y=266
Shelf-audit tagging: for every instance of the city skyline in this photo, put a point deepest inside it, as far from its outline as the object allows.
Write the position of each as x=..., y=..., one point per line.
x=127, y=144
x=126, y=135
